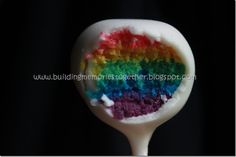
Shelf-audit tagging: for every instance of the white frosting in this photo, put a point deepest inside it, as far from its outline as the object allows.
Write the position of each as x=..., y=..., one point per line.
x=137, y=129
x=164, y=98
x=94, y=102
x=107, y=102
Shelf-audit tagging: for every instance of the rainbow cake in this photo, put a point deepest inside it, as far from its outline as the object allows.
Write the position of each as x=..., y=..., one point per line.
x=136, y=74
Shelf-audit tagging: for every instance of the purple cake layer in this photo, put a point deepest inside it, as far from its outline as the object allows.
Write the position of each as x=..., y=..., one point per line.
x=131, y=105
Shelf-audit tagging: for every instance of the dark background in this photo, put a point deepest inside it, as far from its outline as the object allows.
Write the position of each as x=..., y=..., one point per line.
x=50, y=118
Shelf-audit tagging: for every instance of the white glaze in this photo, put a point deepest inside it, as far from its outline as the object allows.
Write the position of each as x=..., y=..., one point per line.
x=137, y=129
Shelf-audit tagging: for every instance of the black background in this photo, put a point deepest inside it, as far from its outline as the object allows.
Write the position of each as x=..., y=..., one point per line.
x=50, y=118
